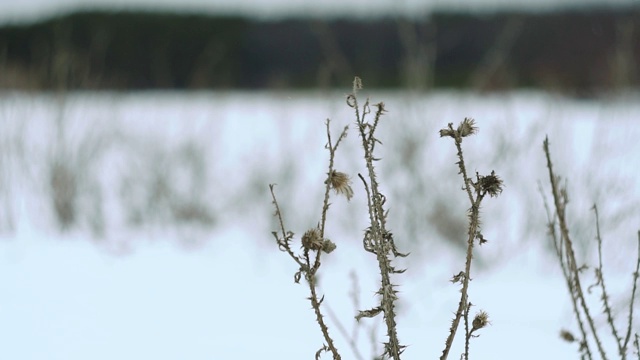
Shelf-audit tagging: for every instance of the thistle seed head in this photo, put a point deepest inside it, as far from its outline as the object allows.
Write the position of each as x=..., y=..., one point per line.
x=312, y=240
x=491, y=184
x=467, y=127
x=341, y=183
x=328, y=246
x=481, y=320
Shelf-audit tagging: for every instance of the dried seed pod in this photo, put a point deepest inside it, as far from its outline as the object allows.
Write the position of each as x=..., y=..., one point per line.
x=341, y=183
x=481, y=320
x=311, y=239
x=491, y=184
x=328, y=246
x=467, y=127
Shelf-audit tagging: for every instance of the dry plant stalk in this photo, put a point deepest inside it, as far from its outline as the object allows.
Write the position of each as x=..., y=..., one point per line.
x=377, y=240
x=571, y=271
x=476, y=191
x=313, y=241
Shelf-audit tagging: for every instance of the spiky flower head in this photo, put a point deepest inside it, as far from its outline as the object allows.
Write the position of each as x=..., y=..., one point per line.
x=481, y=320
x=328, y=246
x=341, y=183
x=448, y=131
x=312, y=240
x=467, y=127
x=491, y=184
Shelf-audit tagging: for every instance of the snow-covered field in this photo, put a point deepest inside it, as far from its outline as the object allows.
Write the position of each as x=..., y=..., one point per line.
x=167, y=253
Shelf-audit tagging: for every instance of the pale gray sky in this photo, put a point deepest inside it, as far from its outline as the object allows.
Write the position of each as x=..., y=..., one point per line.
x=28, y=10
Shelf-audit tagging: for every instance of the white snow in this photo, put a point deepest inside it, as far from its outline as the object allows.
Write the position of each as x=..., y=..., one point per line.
x=176, y=291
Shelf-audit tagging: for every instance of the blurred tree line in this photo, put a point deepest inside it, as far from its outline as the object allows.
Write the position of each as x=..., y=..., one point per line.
x=579, y=51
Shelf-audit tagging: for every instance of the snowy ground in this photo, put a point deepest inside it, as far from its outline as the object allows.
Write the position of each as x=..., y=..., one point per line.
x=124, y=284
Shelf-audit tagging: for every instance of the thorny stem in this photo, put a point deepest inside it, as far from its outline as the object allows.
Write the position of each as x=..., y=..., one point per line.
x=351, y=340
x=463, y=170
x=570, y=255
x=636, y=274
x=474, y=222
x=601, y=282
x=381, y=238
x=325, y=203
x=309, y=272
x=332, y=150
x=466, y=330
x=315, y=303
x=283, y=245
x=305, y=266
x=558, y=246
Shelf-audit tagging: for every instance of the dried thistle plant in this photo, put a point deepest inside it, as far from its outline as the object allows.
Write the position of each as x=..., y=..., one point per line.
x=559, y=232
x=313, y=241
x=476, y=191
x=378, y=240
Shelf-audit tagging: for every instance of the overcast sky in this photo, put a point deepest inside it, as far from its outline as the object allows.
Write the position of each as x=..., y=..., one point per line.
x=28, y=10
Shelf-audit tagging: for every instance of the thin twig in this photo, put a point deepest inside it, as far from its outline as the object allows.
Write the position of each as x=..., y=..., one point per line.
x=283, y=244
x=636, y=275
x=315, y=303
x=570, y=255
x=351, y=341
x=332, y=151
x=558, y=246
x=605, y=295
x=467, y=332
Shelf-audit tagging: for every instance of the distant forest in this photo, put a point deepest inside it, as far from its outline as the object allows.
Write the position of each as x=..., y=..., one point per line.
x=572, y=51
